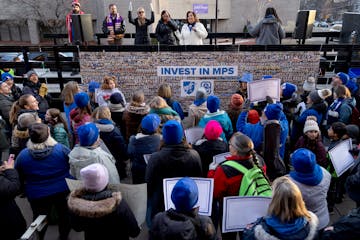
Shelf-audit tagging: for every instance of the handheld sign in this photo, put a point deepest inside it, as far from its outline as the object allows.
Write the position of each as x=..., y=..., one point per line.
x=341, y=158
x=258, y=90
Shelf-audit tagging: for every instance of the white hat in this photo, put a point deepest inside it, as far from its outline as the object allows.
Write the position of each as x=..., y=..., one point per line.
x=311, y=125
x=95, y=177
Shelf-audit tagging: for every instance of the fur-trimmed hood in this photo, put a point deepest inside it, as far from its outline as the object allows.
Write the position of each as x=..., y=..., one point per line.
x=262, y=234
x=92, y=208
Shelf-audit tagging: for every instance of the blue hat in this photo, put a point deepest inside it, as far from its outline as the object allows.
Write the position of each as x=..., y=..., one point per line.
x=172, y=132
x=273, y=111
x=88, y=134
x=150, y=123
x=81, y=99
x=288, y=89
x=306, y=170
x=116, y=98
x=213, y=103
x=246, y=77
x=352, y=86
x=92, y=86
x=30, y=73
x=185, y=194
x=6, y=76
x=266, y=77
x=344, y=77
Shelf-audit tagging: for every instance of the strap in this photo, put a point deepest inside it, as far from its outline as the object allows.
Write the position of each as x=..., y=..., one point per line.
x=237, y=166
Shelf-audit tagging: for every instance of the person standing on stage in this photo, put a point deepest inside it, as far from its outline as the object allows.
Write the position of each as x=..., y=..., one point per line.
x=114, y=26
x=75, y=10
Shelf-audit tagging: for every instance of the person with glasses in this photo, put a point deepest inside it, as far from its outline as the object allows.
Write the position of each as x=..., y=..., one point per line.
x=141, y=24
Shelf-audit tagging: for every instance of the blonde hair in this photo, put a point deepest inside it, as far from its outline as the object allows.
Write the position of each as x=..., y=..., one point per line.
x=164, y=91
x=138, y=98
x=106, y=82
x=103, y=112
x=158, y=102
x=70, y=89
x=287, y=203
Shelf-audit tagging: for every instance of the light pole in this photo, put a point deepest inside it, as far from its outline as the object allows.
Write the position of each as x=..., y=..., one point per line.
x=216, y=19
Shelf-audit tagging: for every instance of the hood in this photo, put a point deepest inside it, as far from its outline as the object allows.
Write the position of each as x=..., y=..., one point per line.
x=102, y=203
x=320, y=107
x=75, y=115
x=41, y=153
x=116, y=107
x=30, y=84
x=270, y=19
x=20, y=133
x=142, y=110
x=104, y=126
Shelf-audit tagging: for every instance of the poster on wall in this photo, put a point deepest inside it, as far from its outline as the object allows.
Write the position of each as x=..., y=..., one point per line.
x=189, y=87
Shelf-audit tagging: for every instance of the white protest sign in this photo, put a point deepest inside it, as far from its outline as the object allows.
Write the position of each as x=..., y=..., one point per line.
x=341, y=158
x=258, y=90
x=220, y=157
x=193, y=134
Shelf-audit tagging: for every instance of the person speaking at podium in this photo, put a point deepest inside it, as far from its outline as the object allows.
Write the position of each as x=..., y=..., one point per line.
x=114, y=26
x=75, y=10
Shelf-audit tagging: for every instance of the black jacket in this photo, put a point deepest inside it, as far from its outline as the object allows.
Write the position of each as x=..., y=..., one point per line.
x=165, y=32
x=141, y=34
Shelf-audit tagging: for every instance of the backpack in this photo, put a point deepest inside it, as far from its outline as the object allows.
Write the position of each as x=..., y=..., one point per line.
x=253, y=183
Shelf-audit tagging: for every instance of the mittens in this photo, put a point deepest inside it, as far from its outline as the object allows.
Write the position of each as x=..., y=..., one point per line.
x=43, y=90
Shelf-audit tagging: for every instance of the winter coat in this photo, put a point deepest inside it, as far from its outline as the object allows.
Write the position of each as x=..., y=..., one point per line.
x=195, y=114
x=117, y=112
x=171, y=161
x=233, y=115
x=291, y=231
x=173, y=225
x=190, y=37
x=67, y=110
x=254, y=131
x=175, y=105
x=43, y=170
x=16, y=92
x=102, y=215
x=207, y=149
x=12, y=222
x=224, y=120
x=132, y=119
x=139, y=145
x=19, y=139
x=352, y=184
x=344, y=108
x=165, y=32
x=315, y=198
x=316, y=146
x=165, y=114
x=268, y=31
x=77, y=121
x=141, y=31
x=6, y=102
x=59, y=133
x=81, y=157
x=33, y=89
x=103, y=96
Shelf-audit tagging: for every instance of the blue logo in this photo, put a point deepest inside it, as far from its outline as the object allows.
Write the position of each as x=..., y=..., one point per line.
x=207, y=86
x=189, y=87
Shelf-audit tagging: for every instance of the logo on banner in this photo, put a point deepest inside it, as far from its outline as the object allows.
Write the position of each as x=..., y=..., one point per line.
x=188, y=87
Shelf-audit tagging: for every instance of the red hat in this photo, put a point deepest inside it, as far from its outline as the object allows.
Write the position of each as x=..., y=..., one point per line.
x=213, y=130
x=75, y=2
x=253, y=116
x=236, y=101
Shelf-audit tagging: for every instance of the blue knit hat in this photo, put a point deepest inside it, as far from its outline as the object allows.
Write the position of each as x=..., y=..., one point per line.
x=92, y=86
x=306, y=170
x=172, y=132
x=185, y=194
x=150, y=123
x=88, y=134
x=344, y=77
x=246, y=77
x=116, y=98
x=81, y=99
x=213, y=103
x=273, y=111
x=6, y=76
x=288, y=89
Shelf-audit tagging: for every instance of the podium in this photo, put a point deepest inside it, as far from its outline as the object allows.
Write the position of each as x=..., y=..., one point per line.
x=82, y=28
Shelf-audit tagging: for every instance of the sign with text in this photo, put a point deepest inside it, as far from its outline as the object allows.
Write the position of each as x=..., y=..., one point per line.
x=197, y=71
x=201, y=8
x=258, y=90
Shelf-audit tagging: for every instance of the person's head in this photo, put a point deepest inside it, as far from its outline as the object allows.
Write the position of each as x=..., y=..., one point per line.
x=165, y=16
x=213, y=104
x=28, y=102
x=309, y=84
x=288, y=89
x=317, y=96
x=117, y=98
x=141, y=13
x=52, y=115
x=93, y=85
x=185, y=195
x=253, y=116
x=164, y=91
x=306, y=170
x=271, y=11
x=273, y=111
x=213, y=130
x=39, y=132
x=150, y=124
x=236, y=101
x=25, y=120
x=287, y=203
x=103, y=112
x=340, y=79
x=311, y=128
x=138, y=98
x=8, y=78
x=70, y=89
x=88, y=134
x=5, y=89
x=240, y=145
x=75, y=7
x=95, y=177
x=32, y=76
x=109, y=83
x=352, y=132
x=340, y=92
x=337, y=131
x=112, y=9
x=191, y=17
x=82, y=100
x=172, y=132
x=158, y=103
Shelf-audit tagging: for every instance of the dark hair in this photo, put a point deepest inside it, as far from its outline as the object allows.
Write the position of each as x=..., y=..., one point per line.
x=272, y=11
x=112, y=4
x=193, y=13
x=339, y=129
x=163, y=12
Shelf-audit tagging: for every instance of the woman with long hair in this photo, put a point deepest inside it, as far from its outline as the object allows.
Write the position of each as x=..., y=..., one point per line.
x=58, y=127
x=67, y=95
x=141, y=24
x=81, y=114
x=165, y=29
x=26, y=103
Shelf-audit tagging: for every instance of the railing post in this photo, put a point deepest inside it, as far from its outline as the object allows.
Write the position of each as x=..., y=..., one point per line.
x=25, y=51
x=58, y=67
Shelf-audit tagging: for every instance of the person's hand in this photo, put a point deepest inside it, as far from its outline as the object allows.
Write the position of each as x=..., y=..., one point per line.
x=9, y=164
x=151, y=7
x=334, y=114
x=130, y=6
x=213, y=166
x=43, y=90
x=269, y=100
x=194, y=29
x=330, y=228
x=246, y=105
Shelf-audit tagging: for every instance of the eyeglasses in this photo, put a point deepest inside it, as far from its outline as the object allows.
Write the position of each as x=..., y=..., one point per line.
x=140, y=12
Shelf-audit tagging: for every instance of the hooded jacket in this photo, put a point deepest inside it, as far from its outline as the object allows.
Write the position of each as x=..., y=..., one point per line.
x=268, y=31
x=33, y=89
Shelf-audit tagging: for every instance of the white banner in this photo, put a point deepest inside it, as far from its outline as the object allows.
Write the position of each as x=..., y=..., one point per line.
x=197, y=71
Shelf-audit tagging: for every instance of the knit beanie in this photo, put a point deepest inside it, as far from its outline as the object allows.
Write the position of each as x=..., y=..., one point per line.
x=311, y=125
x=29, y=73
x=25, y=120
x=88, y=134
x=95, y=177
x=81, y=99
x=200, y=96
x=273, y=111
x=212, y=130
x=172, y=132
x=75, y=2
x=288, y=89
x=93, y=86
x=306, y=170
x=150, y=123
x=253, y=116
x=236, y=101
x=309, y=84
x=317, y=96
x=38, y=132
x=213, y=104
x=116, y=98
x=6, y=76
x=343, y=77
x=185, y=194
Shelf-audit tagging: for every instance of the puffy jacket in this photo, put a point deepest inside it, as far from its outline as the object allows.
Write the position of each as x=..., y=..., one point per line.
x=268, y=31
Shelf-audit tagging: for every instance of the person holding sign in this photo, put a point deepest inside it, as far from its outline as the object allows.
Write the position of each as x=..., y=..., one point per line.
x=141, y=24
x=288, y=217
x=183, y=222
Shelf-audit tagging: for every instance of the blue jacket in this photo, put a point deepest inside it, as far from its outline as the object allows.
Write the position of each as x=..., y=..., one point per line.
x=44, y=171
x=223, y=118
x=344, y=108
x=175, y=106
x=67, y=110
x=253, y=131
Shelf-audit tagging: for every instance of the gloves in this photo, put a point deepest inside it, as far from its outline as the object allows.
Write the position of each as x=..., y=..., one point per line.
x=43, y=90
x=151, y=7
x=213, y=166
x=334, y=114
x=130, y=6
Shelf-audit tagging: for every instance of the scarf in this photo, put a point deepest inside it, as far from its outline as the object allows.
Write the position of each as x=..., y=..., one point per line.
x=289, y=228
